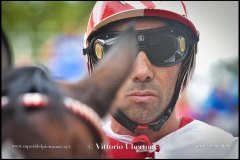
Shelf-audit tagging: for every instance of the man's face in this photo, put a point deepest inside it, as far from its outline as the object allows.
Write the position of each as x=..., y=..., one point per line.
x=148, y=90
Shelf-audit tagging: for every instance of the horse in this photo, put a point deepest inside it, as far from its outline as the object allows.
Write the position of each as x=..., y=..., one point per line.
x=46, y=119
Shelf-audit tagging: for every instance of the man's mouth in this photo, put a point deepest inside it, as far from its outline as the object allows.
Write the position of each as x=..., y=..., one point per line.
x=142, y=96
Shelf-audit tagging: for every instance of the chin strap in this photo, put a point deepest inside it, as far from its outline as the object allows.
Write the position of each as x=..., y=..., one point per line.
x=125, y=121
x=160, y=120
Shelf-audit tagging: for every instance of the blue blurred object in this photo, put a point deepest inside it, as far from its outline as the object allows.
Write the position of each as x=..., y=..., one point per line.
x=221, y=108
x=68, y=63
x=220, y=101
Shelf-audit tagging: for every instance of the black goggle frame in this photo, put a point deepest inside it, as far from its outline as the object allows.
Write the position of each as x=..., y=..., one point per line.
x=164, y=46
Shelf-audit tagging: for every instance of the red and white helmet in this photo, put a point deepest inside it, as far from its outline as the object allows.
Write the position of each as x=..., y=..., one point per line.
x=105, y=12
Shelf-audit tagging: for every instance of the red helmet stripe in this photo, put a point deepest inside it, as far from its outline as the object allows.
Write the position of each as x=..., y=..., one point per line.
x=90, y=23
x=184, y=7
x=115, y=7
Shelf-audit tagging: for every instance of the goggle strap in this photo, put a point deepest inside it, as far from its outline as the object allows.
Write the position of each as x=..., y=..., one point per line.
x=87, y=50
x=166, y=114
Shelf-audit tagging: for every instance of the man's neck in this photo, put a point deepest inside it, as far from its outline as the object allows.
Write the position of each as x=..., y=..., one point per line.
x=171, y=125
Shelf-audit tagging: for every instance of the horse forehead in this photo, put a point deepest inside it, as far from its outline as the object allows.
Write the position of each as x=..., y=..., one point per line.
x=11, y=151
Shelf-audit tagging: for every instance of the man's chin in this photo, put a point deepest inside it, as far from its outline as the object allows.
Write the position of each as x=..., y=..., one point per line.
x=139, y=118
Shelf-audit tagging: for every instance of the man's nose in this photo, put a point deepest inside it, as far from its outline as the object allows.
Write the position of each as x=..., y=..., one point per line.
x=142, y=70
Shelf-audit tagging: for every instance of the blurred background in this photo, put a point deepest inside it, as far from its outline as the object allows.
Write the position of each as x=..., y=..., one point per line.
x=51, y=33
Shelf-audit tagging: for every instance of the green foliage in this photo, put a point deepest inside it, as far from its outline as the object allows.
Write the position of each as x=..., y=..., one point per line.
x=39, y=20
x=25, y=16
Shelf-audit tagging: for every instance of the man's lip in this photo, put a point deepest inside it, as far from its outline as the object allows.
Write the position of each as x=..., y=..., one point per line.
x=143, y=93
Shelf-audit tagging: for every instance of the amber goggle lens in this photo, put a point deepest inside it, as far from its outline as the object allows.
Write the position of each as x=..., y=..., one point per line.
x=98, y=51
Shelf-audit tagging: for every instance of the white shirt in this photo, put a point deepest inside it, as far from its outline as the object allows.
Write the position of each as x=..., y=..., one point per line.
x=195, y=140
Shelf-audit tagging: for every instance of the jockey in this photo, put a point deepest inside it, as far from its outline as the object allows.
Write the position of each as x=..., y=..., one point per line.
x=145, y=124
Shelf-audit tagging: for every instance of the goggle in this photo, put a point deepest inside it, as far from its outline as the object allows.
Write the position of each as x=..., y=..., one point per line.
x=163, y=46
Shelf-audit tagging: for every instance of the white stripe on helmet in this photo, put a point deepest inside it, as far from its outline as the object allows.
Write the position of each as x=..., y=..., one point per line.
x=174, y=6
x=135, y=4
x=96, y=11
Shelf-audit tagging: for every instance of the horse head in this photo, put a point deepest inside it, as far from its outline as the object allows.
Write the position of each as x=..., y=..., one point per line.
x=46, y=119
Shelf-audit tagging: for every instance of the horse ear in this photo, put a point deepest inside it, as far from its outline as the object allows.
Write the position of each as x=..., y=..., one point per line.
x=99, y=89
